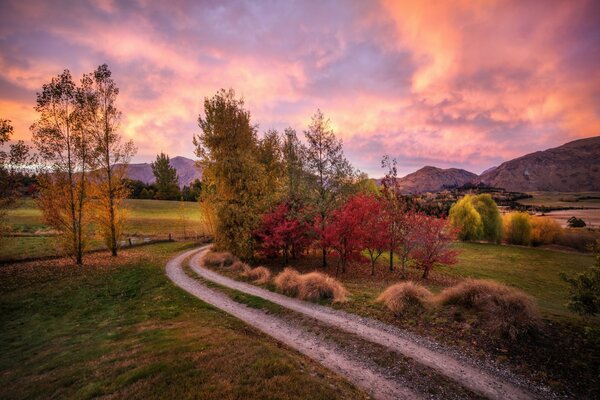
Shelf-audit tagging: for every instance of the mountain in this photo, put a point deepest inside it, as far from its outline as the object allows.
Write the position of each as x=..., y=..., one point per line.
x=433, y=179
x=186, y=170
x=572, y=167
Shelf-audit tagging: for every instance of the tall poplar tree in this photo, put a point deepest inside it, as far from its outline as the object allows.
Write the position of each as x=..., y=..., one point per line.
x=325, y=160
x=63, y=145
x=227, y=147
x=111, y=154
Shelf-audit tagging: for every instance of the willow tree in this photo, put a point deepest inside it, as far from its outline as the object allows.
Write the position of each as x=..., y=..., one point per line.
x=325, y=160
x=101, y=117
x=63, y=145
x=227, y=147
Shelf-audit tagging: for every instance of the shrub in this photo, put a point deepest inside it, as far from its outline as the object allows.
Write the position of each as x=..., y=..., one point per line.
x=502, y=309
x=219, y=259
x=240, y=266
x=258, y=275
x=405, y=297
x=318, y=286
x=575, y=222
x=544, y=230
x=584, y=293
x=288, y=282
x=517, y=228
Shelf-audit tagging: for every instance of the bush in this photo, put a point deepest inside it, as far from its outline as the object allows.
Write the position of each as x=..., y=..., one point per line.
x=544, y=230
x=219, y=259
x=288, y=282
x=258, y=275
x=502, y=309
x=517, y=228
x=575, y=222
x=406, y=297
x=584, y=293
x=317, y=286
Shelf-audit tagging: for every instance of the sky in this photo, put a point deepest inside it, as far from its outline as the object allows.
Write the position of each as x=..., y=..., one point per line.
x=466, y=84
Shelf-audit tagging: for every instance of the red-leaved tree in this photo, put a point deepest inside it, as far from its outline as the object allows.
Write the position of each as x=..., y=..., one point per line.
x=283, y=231
x=374, y=229
x=345, y=231
x=433, y=238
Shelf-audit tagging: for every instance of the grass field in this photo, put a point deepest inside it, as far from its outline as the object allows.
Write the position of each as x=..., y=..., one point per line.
x=563, y=199
x=123, y=330
x=146, y=218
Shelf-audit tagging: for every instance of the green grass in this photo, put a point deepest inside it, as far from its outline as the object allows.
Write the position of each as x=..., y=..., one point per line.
x=124, y=330
x=145, y=218
x=535, y=271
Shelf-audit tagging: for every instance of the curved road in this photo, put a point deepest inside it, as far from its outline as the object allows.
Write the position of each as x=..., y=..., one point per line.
x=333, y=358
x=373, y=331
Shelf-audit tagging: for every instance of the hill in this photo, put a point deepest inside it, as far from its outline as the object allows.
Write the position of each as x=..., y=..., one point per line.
x=572, y=167
x=187, y=170
x=432, y=179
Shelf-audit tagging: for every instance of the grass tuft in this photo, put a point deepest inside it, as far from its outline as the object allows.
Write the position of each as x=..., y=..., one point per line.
x=216, y=259
x=502, y=309
x=288, y=282
x=406, y=297
x=258, y=275
x=317, y=286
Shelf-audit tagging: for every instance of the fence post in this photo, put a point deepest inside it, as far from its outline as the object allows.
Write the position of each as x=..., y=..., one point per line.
x=130, y=242
x=169, y=237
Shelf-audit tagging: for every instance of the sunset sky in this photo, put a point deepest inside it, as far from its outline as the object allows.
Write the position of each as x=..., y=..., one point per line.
x=448, y=83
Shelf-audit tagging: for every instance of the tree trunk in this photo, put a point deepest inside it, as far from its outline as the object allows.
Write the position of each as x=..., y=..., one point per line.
x=425, y=272
x=391, y=260
x=372, y=267
x=324, y=249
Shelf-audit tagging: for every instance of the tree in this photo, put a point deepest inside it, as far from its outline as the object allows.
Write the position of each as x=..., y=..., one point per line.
x=97, y=98
x=326, y=161
x=374, y=230
x=63, y=144
x=166, y=178
x=269, y=154
x=344, y=232
x=227, y=146
x=397, y=211
x=465, y=218
x=12, y=161
x=584, y=296
x=434, y=243
x=517, y=228
x=192, y=192
x=297, y=180
x=476, y=217
x=283, y=232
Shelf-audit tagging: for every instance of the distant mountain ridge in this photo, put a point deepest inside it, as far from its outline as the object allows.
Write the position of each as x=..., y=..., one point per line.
x=187, y=171
x=572, y=167
x=433, y=179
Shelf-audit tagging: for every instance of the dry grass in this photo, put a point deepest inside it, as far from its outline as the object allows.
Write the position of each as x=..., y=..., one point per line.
x=317, y=286
x=288, y=282
x=502, y=309
x=240, y=266
x=406, y=297
x=258, y=275
x=216, y=259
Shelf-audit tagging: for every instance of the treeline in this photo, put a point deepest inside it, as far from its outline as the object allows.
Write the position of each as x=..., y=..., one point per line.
x=282, y=196
x=141, y=190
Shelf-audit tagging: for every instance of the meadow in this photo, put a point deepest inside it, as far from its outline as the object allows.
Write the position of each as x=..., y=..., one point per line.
x=119, y=328
x=146, y=219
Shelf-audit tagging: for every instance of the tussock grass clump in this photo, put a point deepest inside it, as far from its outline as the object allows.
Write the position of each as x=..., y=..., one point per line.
x=317, y=286
x=258, y=275
x=406, y=297
x=502, y=309
x=219, y=259
x=240, y=266
x=288, y=282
